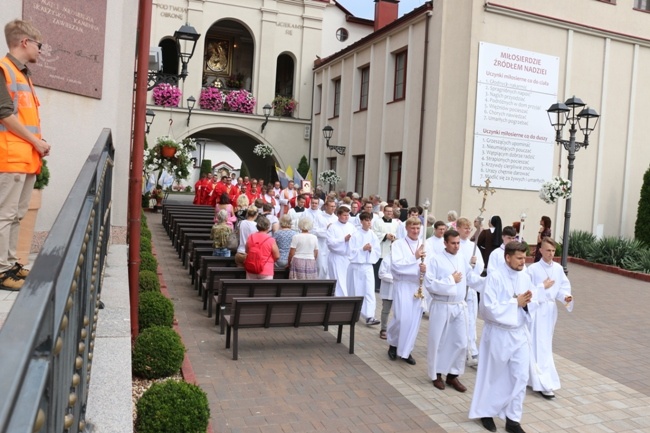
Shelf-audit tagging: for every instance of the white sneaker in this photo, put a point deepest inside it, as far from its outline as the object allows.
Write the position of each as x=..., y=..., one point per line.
x=472, y=362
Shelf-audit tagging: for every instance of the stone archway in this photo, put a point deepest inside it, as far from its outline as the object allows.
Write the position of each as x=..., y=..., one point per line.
x=242, y=144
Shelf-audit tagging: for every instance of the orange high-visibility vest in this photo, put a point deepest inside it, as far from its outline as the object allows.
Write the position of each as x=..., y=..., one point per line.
x=16, y=154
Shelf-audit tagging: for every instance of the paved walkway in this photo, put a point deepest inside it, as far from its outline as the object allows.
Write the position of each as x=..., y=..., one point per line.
x=300, y=380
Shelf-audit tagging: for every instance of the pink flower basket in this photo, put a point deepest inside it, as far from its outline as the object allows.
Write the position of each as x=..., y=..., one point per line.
x=211, y=99
x=166, y=95
x=241, y=101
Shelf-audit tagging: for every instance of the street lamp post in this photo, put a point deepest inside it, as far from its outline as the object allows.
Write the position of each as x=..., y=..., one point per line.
x=586, y=120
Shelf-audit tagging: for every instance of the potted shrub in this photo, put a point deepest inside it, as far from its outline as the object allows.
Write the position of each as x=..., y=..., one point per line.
x=174, y=157
x=284, y=106
x=28, y=223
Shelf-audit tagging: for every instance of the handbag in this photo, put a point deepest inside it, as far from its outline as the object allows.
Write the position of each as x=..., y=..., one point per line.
x=233, y=241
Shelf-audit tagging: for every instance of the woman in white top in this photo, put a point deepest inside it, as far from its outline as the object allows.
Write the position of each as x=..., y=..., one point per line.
x=246, y=228
x=303, y=253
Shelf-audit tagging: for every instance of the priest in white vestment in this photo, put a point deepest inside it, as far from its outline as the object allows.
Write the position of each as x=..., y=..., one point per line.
x=448, y=275
x=553, y=286
x=507, y=301
x=364, y=252
x=406, y=267
x=338, y=242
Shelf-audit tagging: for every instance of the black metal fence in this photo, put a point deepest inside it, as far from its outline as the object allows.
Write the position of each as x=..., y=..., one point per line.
x=47, y=341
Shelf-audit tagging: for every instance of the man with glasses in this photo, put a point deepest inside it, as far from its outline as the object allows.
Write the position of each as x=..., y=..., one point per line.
x=21, y=146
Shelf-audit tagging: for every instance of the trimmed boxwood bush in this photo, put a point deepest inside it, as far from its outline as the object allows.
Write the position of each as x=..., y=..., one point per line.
x=155, y=309
x=145, y=233
x=173, y=407
x=158, y=352
x=145, y=245
x=148, y=262
x=143, y=221
x=149, y=281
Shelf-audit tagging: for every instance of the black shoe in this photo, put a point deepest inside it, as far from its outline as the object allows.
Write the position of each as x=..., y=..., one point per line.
x=488, y=424
x=513, y=426
x=409, y=360
x=392, y=353
x=548, y=395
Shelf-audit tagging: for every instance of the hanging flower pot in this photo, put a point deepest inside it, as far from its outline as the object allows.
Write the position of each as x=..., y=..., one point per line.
x=167, y=151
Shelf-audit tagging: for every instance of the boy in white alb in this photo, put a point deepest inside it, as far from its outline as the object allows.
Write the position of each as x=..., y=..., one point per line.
x=364, y=251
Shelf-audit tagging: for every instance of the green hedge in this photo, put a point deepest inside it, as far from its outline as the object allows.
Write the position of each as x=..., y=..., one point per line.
x=149, y=281
x=158, y=352
x=173, y=407
x=148, y=262
x=155, y=309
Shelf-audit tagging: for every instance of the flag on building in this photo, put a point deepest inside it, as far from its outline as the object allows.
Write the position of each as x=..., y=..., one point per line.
x=282, y=177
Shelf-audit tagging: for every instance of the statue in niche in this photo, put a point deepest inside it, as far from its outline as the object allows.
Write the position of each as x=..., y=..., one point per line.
x=218, y=60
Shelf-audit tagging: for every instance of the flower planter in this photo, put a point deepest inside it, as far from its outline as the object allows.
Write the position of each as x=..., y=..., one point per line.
x=167, y=151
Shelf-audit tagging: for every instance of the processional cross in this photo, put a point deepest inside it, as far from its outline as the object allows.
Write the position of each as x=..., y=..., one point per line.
x=485, y=190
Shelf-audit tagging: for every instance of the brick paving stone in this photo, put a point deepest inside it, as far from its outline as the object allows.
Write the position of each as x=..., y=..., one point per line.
x=300, y=380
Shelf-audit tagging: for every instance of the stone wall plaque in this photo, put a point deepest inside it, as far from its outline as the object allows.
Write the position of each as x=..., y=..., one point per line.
x=72, y=57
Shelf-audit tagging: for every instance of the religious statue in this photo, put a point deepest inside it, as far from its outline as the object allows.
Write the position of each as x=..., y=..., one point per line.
x=218, y=60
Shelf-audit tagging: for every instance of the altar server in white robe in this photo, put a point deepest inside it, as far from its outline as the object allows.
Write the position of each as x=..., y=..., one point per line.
x=448, y=275
x=464, y=228
x=338, y=242
x=364, y=252
x=322, y=221
x=552, y=286
x=506, y=303
x=497, y=257
x=406, y=267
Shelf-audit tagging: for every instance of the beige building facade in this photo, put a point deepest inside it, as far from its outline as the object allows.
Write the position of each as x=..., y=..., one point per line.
x=421, y=102
x=267, y=47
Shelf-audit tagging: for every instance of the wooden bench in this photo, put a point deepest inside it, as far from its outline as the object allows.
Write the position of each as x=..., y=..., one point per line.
x=195, y=261
x=231, y=289
x=209, y=261
x=173, y=208
x=175, y=218
x=295, y=312
x=213, y=282
x=193, y=240
x=186, y=227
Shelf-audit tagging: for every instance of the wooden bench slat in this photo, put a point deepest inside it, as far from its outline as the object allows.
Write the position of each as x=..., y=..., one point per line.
x=292, y=312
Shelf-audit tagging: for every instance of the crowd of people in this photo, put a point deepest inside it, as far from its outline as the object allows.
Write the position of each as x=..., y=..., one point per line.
x=454, y=271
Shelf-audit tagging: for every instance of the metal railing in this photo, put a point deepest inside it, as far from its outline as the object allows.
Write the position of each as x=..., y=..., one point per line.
x=47, y=341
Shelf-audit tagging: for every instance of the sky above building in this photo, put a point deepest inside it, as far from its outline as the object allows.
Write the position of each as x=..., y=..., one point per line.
x=366, y=8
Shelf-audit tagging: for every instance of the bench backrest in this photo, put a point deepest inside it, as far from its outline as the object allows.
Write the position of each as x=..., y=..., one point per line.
x=210, y=261
x=230, y=289
x=270, y=312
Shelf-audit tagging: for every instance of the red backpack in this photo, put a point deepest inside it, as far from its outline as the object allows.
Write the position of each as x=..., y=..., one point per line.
x=255, y=261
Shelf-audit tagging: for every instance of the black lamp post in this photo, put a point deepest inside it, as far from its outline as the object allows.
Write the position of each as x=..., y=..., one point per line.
x=190, y=106
x=189, y=34
x=149, y=119
x=267, y=112
x=586, y=119
x=328, y=131
x=185, y=33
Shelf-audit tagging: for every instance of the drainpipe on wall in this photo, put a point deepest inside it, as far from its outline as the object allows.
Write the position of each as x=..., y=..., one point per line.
x=423, y=108
x=137, y=152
